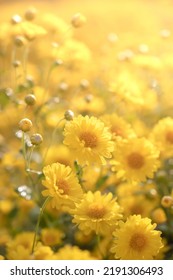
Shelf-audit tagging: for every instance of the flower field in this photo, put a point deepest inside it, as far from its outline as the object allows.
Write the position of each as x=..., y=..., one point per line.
x=86, y=130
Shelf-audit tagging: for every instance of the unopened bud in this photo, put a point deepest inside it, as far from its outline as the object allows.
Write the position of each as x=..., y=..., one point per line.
x=16, y=19
x=25, y=124
x=167, y=201
x=16, y=63
x=30, y=13
x=63, y=86
x=19, y=41
x=36, y=139
x=58, y=62
x=30, y=99
x=78, y=20
x=84, y=84
x=88, y=98
x=69, y=115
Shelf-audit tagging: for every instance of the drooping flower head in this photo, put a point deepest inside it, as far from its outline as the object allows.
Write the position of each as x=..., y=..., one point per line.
x=97, y=212
x=136, y=239
x=88, y=139
x=62, y=185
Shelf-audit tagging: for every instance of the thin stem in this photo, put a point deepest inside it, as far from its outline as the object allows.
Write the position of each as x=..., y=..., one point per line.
x=38, y=222
x=29, y=158
x=98, y=245
x=24, y=149
x=52, y=140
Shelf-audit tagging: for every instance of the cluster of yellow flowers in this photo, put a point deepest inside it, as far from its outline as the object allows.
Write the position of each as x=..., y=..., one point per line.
x=86, y=141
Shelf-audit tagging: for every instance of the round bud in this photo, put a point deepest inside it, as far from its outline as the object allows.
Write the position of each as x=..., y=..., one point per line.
x=112, y=38
x=151, y=194
x=36, y=139
x=88, y=98
x=30, y=99
x=9, y=92
x=167, y=201
x=16, y=63
x=78, y=20
x=69, y=115
x=165, y=33
x=58, y=62
x=19, y=41
x=25, y=125
x=84, y=84
x=30, y=13
x=16, y=19
x=159, y=216
x=63, y=86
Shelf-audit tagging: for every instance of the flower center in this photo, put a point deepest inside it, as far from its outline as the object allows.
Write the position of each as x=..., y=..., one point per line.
x=136, y=209
x=63, y=187
x=169, y=136
x=135, y=160
x=96, y=211
x=89, y=139
x=117, y=131
x=137, y=242
x=50, y=239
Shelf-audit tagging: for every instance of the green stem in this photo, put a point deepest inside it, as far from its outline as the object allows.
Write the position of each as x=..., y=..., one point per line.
x=24, y=149
x=29, y=158
x=52, y=140
x=38, y=222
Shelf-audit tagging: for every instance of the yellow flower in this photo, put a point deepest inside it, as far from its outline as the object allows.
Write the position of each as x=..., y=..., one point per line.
x=58, y=153
x=162, y=134
x=97, y=212
x=43, y=253
x=128, y=89
x=69, y=252
x=137, y=199
x=88, y=139
x=51, y=236
x=62, y=186
x=20, y=247
x=136, y=159
x=136, y=239
x=118, y=126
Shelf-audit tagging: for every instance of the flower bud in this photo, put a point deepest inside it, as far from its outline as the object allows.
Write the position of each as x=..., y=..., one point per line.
x=167, y=201
x=25, y=125
x=30, y=99
x=19, y=41
x=159, y=216
x=78, y=20
x=16, y=19
x=69, y=115
x=16, y=63
x=36, y=139
x=30, y=13
x=84, y=84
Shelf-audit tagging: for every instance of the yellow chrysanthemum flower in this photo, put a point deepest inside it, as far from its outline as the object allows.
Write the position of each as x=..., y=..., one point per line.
x=97, y=212
x=43, y=252
x=62, y=186
x=137, y=199
x=136, y=159
x=88, y=139
x=136, y=239
x=69, y=252
x=20, y=247
x=162, y=134
x=118, y=126
x=51, y=236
